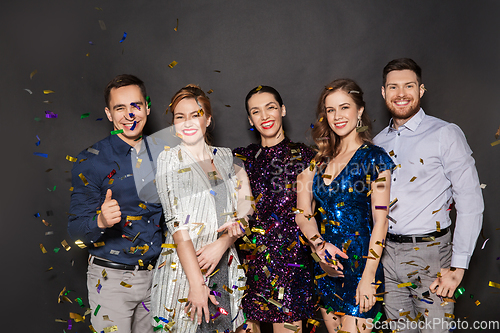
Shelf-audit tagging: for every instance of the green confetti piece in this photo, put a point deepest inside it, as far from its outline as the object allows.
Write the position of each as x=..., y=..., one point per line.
x=80, y=302
x=413, y=285
x=254, y=240
x=355, y=256
x=54, y=188
x=459, y=292
x=85, y=115
x=157, y=328
x=256, y=277
x=377, y=317
x=56, y=249
x=37, y=119
x=156, y=319
x=117, y=132
x=471, y=296
x=97, y=310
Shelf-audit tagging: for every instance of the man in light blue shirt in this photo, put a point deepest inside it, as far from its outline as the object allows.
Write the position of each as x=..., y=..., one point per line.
x=435, y=169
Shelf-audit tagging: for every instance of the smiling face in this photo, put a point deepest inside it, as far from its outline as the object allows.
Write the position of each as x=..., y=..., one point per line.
x=266, y=115
x=402, y=94
x=190, y=123
x=127, y=111
x=342, y=113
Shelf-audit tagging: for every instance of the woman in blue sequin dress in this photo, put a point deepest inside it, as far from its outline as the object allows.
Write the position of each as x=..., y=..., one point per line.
x=344, y=196
x=279, y=278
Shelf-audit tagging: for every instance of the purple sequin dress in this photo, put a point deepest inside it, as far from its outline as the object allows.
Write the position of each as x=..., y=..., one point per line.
x=275, y=276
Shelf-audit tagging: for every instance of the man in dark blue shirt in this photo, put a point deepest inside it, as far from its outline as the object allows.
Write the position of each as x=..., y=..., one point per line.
x=121, y=231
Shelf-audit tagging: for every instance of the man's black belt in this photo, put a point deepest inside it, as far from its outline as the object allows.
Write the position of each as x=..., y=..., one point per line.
x=420, y=238
x=115, y=265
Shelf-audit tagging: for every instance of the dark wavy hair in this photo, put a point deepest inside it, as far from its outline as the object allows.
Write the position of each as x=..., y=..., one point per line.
x=325, y=138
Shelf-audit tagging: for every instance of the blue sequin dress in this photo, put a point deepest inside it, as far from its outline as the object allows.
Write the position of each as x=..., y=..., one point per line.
x=345, y=201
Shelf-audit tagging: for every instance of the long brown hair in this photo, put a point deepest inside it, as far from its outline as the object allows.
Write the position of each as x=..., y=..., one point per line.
x=325, y=138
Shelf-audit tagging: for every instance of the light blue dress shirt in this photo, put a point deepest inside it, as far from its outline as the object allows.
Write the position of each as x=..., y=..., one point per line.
x=434, y=168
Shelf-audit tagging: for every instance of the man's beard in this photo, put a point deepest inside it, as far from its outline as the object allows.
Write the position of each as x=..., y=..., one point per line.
x=406, y=114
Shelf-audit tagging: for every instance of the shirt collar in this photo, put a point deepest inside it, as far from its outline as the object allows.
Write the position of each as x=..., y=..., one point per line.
x=411, y=124
x=120, y=147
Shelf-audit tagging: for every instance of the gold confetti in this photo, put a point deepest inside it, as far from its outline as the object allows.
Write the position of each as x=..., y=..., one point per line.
x=110, y=329
x=143, y=206
x=76, y=317
x=184, y=170
x=226, y=288
x=432, y=244
x=111, y=181
x=99, y=244
x=71, y=189
x=374, y=253
x=315, y=257
x=378, y=180
x=42, y=248
x=126, y=285
x=33, y=73
x=340, y=204
x=413, y=179
x=297, y=210
x=275, y=303
x=327, y=176
x=438, y=226
x=291, y=246
x=172, y=64
x=449, y=315
x=80, y=244
x=422, y=161
x=46, y=92
x=379, y=243
x=317, y=277
x=495, y=143
x=494, y=284
x=84, y=180
x=177, y=26
x=322, y=211
x=404, y=313
x=291, y=327
x=138, y=164
x=406, y=284
x=369, y=192
x=71, y=158
x=65, y=245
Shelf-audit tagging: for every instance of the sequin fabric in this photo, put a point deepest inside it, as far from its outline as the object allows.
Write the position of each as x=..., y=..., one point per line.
x=346, y=200
x=275, y=252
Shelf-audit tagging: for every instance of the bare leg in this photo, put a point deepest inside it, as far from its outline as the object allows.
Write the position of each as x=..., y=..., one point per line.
x=280, y=327
x=354, y=324
x=254, y=327
x=332, y=322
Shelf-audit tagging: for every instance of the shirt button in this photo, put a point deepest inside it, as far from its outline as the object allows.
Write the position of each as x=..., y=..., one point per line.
x=151, y=243
x=399, y=134
x=143, y=180
x=394, y=179
x=396, y=156
x=390, y=227
x=149, y=221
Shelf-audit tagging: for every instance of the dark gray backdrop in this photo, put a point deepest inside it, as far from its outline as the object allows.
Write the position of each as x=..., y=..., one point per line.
x=295, y=46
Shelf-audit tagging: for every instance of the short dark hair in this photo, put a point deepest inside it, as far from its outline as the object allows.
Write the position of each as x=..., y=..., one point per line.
x=261, y=89
x=402, y=64
x=124, y=80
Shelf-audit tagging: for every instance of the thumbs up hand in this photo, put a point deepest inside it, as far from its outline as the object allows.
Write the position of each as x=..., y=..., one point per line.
x=110, y=212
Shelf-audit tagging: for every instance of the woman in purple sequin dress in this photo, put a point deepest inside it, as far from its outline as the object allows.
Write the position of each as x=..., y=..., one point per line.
x=279, y=278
